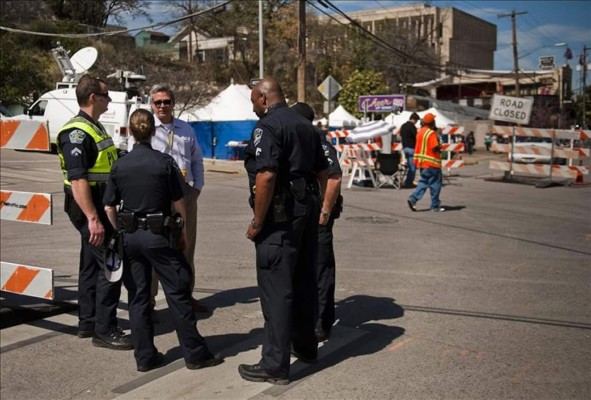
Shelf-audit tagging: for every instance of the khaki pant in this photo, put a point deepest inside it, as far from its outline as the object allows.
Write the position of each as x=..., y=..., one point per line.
x=189, y=253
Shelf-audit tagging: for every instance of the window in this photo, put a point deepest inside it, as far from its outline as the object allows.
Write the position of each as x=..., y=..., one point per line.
x=38, y=109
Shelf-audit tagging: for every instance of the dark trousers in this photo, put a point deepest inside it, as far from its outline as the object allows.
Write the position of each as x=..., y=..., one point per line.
x=326, y=276
x=286, y=256
x=97, y=297
x=145, y=251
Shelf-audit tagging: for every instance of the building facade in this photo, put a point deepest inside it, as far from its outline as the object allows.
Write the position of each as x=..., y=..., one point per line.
x=459, y=40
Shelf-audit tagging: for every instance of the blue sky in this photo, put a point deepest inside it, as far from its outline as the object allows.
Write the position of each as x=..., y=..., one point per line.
x=545, y=24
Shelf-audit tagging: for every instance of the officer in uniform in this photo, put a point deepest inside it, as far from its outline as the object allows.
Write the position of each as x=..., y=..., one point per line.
x=284, y=161
x=332, y=203
x=86, y=153
x=147, y=184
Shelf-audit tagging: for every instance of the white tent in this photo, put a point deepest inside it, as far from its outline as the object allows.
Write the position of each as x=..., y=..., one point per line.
x=398, y=119
x=340, y=117
x=232, y=104
x=442, y=119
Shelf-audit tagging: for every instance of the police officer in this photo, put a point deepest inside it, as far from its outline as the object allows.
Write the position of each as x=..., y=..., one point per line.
x=86, y=153
x=284, y=160
x=331, y=210
x=148, y=184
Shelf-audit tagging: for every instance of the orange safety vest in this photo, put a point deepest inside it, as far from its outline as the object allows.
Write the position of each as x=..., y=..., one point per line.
x=425, y=156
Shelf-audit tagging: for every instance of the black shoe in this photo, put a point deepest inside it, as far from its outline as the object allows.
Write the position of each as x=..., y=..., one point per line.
x=114, y=340
x=83, y=334
x=154, y=315
x=412, y=205
x=303, y=358
x=208, y=361
x=155, y=362
x=321, y=334
x=255, y=373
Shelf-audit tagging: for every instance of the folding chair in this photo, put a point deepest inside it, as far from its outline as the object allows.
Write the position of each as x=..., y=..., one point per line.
x=388, y=170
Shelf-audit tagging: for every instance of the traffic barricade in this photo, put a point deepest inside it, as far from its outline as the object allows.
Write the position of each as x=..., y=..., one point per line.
x=24, y=135
x=539, y=150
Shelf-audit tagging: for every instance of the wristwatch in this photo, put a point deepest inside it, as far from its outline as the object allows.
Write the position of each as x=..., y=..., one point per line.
x=325, y=214
x=254, y=225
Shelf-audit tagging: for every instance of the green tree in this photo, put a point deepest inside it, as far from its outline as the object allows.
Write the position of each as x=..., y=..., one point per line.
x=23, y=70
x=360, y=83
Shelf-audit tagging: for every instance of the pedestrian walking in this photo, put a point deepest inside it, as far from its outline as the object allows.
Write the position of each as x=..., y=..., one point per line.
x=408, y=134
x=427, y=158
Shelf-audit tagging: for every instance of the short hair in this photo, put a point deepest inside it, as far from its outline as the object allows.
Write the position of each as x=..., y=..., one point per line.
x=142, y=125
x=162, y=87
x=414, y=116
x=304, y=110
x=87, y=85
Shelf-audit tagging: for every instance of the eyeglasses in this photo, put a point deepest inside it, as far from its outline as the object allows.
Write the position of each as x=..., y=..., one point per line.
x=166, y=102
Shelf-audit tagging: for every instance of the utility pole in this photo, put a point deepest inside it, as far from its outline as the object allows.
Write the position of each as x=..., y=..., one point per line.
x=584, y=81
x=515, y=57
x=302, y=52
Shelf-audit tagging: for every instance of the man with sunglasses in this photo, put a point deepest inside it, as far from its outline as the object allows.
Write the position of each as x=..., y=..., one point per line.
x=86, y=153
x=177, y=138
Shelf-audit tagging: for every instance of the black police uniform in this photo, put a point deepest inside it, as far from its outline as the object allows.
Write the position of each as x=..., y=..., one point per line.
x=147, y=182
x=286, y=246
x=97, y=297
x=326, y=261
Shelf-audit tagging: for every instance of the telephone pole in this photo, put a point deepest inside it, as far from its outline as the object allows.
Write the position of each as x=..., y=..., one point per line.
x=515, y=57
x=302, y=51
x=583, y=61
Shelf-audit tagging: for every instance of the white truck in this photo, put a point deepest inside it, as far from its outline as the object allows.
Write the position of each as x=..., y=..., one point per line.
x=58, y=106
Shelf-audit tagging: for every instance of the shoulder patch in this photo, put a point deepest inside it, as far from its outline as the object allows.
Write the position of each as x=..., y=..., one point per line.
x=77, y=136
x=257, y=136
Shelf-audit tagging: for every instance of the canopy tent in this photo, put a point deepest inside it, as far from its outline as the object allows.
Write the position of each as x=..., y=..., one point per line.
x=226, y=120
x=340, y=118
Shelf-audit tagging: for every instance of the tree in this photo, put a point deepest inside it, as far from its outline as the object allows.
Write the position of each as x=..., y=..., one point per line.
x=360, y=83
x=97, y=12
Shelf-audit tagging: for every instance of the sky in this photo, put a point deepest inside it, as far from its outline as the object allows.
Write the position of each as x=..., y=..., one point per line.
x=544, y=24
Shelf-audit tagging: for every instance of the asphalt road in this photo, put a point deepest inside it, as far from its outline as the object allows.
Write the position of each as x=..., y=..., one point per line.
x=489, y=300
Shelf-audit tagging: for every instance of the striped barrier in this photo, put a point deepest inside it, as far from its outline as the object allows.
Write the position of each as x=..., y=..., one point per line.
x=541, y=133
x=338, y=134
x=363, y=169
x=452, y=163
x=541, y=150
x=27, y=280
x=26, y=207
x=358, y=146
x=24, y=135
x=455, y=147
x=452, y=130
x=541, y=169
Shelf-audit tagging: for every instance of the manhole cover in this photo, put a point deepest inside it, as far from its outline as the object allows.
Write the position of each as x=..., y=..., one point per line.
x=372, y=220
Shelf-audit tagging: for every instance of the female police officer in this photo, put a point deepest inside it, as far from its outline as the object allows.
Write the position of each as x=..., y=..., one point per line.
x=147, y=182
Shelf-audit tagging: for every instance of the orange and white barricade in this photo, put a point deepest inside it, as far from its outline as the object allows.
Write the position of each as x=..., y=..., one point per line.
x=24, y=135
x=26, y=207
x=450, y=148
x=356, y=160
x=18, y=278
x=570, y=153
x=27, y=280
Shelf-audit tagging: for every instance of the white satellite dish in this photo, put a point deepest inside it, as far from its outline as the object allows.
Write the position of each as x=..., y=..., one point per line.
x=84, y=59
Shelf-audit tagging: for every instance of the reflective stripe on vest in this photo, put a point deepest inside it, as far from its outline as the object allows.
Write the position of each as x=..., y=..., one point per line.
x=426, y=155
x=107, y=152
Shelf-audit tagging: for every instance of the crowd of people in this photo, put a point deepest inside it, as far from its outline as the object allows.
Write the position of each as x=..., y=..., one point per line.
x=136, y=214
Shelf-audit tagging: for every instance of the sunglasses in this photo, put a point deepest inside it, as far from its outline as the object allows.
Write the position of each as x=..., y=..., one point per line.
x=166, y=102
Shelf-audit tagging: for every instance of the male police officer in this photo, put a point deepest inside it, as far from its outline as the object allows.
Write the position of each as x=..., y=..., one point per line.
x=331, y=210
x=147, y=183
x=86, y=154
x=284, y=159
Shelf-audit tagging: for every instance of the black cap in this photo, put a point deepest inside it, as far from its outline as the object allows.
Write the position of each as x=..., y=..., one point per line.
x=304, y=110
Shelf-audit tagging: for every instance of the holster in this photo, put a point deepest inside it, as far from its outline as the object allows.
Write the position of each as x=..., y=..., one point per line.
x=298, y=189
x=338, y=207
x=173, y=226
x=127, y=222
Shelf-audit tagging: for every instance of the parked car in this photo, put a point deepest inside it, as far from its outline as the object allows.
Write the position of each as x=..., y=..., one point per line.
x=542, y=144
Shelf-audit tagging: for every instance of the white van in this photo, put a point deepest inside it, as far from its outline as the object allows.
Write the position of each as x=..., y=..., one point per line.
x=58, y=106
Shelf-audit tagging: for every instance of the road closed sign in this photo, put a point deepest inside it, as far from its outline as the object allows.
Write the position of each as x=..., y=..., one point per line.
x=511, y=109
